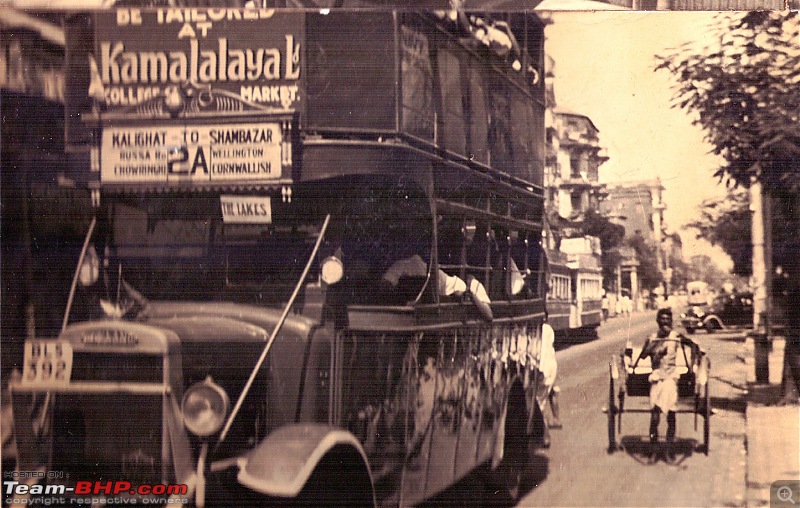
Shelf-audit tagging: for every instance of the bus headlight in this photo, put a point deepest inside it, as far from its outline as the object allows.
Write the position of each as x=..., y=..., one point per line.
x=332, y=270
x=204, y=407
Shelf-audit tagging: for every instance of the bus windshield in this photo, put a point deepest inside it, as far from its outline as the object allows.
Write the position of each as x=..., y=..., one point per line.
x=180, y=248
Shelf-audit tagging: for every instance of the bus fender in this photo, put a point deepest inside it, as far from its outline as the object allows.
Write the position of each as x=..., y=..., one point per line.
x=283, y=462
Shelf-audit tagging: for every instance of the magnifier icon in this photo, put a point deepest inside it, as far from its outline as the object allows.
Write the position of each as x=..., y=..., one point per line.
x=785, y=494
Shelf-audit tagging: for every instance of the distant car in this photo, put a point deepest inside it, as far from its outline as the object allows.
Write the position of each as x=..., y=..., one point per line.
x=725, y=311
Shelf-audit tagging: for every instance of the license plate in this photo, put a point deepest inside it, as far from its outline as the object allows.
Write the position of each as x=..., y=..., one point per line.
x=47, y=361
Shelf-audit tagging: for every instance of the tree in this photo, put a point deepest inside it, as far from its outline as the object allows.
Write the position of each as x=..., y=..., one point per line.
x=649, y=274
x=702, y=267
x=726, y=222
x=743, y=90
x=610, y=235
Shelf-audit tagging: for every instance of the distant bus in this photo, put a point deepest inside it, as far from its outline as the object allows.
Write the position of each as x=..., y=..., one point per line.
x=697, y=292
x=574, y=295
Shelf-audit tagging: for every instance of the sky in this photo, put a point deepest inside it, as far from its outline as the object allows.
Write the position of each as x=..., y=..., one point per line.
x=604, y=68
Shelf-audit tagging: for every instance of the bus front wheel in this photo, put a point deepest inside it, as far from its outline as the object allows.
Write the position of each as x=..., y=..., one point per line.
x=340, y=479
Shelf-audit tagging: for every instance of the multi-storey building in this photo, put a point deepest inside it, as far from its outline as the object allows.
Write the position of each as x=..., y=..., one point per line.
x=573, y=164
x=639, y=205
x=573, y=189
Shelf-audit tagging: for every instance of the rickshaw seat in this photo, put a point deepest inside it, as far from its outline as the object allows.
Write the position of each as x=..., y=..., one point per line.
x=637, y=382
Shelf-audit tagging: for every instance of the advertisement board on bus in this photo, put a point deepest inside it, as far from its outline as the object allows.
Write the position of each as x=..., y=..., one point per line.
x=211, y=56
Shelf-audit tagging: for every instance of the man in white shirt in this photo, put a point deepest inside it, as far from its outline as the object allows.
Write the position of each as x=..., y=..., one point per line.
x=446, y=285
x=547, y=391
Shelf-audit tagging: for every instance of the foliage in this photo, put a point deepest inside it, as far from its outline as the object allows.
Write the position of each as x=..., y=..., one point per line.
x=680, y=273
x=649, y=274
x=677, y=269
x=610, y=235
x=743, y=88
x=726, y=222
x=702, y=267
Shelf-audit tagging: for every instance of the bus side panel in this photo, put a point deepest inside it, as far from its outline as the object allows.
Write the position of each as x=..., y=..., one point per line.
x=452, y=413
x=591, y=313
x=575, y=315
x=469, y=451
x=558, y=314
x=351, y=71
x=431, y=402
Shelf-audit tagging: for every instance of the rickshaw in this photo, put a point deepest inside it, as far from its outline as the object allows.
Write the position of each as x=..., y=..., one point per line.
x=629, y=377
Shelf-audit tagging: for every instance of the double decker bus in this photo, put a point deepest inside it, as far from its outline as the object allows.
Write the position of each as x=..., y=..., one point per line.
x=574, y=294
x=238, y=325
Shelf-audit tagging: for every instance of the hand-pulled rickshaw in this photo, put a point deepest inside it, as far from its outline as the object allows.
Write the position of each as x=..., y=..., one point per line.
x=629, y=374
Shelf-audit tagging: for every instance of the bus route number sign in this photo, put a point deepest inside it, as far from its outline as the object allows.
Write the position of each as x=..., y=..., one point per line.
x=201, y=154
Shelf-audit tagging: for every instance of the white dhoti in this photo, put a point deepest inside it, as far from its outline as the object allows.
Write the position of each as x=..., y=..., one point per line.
x=664, y=393
x=548, y=367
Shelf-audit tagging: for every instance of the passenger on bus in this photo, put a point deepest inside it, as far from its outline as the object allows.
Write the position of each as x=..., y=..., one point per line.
x=517, y=279
x=662, y=348
x=446, y=285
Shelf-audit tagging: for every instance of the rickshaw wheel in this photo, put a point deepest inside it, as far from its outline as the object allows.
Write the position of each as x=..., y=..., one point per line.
x=612, y=412
x=707, y=421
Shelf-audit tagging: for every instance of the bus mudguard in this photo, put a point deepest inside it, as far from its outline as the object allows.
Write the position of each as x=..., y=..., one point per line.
x=283, y=462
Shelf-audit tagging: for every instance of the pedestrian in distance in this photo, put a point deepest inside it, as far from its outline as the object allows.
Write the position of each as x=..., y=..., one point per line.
x=547, y=391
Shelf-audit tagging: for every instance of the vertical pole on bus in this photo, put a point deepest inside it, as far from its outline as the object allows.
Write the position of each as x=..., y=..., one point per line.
x=77, y=272
x=275, y=331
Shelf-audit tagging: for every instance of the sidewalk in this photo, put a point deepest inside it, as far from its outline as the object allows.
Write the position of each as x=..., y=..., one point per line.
x=773, y=432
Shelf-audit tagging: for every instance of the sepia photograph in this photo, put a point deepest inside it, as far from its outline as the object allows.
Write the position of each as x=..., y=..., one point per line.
x=362, y=253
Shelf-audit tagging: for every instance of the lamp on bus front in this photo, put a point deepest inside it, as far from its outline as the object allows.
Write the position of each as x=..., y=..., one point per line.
x=204, y=408
x=332, y=270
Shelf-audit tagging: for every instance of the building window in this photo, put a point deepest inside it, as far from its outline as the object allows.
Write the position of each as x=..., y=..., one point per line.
x=575, y=201
x=575, y=166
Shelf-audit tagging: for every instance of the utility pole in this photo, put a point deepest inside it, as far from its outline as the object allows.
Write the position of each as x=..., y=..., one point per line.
x=760, y=297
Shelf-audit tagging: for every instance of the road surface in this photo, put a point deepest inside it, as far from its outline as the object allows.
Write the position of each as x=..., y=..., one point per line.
x=578, y=470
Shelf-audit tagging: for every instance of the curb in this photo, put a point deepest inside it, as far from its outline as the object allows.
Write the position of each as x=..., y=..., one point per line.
x=773, y=432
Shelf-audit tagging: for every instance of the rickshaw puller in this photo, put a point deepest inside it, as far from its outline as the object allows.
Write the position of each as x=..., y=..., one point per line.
x=662, y=348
